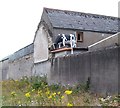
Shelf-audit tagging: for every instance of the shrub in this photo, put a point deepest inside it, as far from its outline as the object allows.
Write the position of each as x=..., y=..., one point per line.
x=38, y=82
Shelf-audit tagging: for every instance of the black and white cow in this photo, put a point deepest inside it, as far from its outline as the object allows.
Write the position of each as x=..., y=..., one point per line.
x=63, y=40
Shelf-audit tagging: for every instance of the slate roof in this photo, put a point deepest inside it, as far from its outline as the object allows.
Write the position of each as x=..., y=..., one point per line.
x=22, y=52
x=82, y=21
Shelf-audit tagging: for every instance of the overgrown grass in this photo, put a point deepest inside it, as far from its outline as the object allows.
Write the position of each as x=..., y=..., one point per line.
x=35, y=91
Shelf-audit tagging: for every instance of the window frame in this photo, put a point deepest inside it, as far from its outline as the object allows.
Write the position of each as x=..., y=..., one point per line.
x=81, y=36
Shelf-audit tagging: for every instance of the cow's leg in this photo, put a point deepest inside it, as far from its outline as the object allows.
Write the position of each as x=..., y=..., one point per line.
x=59, y=45
x=63, y=42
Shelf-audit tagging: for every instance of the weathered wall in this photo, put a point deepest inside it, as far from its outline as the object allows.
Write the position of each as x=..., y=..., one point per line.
x=21, y=67
x=70, y=69
x=107, y=42
x=5, y=69
x=42, y=42
x=42, y=68
x=0, y=83
x=119, y=38
x=18, y=64
x=104, y=71
x=88, y=37
x=92, y=37
x=0, y=70
x=40, y=46
x=101, y=66
x=119, y=69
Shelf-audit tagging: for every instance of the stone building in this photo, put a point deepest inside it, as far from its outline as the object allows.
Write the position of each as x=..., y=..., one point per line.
x=91, y=32
x=88, y=29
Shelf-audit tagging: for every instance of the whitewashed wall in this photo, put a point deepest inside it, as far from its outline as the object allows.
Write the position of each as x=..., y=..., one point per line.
x=42, y=42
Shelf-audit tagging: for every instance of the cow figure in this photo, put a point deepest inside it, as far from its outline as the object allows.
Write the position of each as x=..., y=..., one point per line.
x=63, y=40
x=72, y=41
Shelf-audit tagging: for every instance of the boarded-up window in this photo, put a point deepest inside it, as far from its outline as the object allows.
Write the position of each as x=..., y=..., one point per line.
x=79, y=36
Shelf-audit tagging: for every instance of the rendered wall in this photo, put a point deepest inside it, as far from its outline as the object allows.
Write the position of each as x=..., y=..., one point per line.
x=40, y=46
x=107, y=42
x=42, y=42
x=100, y=66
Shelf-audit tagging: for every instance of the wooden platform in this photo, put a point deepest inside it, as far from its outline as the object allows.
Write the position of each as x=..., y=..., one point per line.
x=69, y=49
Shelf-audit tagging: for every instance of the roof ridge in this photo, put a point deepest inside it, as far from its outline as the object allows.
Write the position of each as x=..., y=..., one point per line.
x=82, y=13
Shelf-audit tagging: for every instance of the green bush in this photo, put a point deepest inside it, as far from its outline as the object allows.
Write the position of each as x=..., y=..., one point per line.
x=38, y=82
x=55, y=87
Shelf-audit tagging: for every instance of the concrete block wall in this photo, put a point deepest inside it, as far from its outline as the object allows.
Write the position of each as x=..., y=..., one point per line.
x=70, y=69
x=119, y=38
x=119, y=71
x=42, y=68
x=104, y=71
x=100, y=66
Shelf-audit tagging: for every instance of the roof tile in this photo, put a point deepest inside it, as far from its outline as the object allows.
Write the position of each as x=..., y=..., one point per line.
x=84, y=21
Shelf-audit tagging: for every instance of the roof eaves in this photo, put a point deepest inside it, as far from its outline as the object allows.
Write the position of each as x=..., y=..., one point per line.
x=55, y=27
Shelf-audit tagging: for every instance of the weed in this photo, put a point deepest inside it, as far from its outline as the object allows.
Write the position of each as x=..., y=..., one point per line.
x=35, y=91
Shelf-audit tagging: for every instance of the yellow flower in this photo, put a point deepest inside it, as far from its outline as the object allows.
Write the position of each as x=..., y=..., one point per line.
x=50, y=97
x=62, y=97
x=58, y=93
x=54, y=94
x=69, y=104
x=48, y=92
x=68, y=92
x=39, y=92
x=33, y=90
x=13, y=93
x=27, y=95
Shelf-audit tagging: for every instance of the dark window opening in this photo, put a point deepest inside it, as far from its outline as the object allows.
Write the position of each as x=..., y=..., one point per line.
x=79, y=36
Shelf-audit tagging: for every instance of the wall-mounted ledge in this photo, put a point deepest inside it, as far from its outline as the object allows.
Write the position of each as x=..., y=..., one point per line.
x=67, y=51
x=61, y=50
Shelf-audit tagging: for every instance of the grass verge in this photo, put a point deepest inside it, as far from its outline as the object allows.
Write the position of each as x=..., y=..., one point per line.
x=35, y=91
